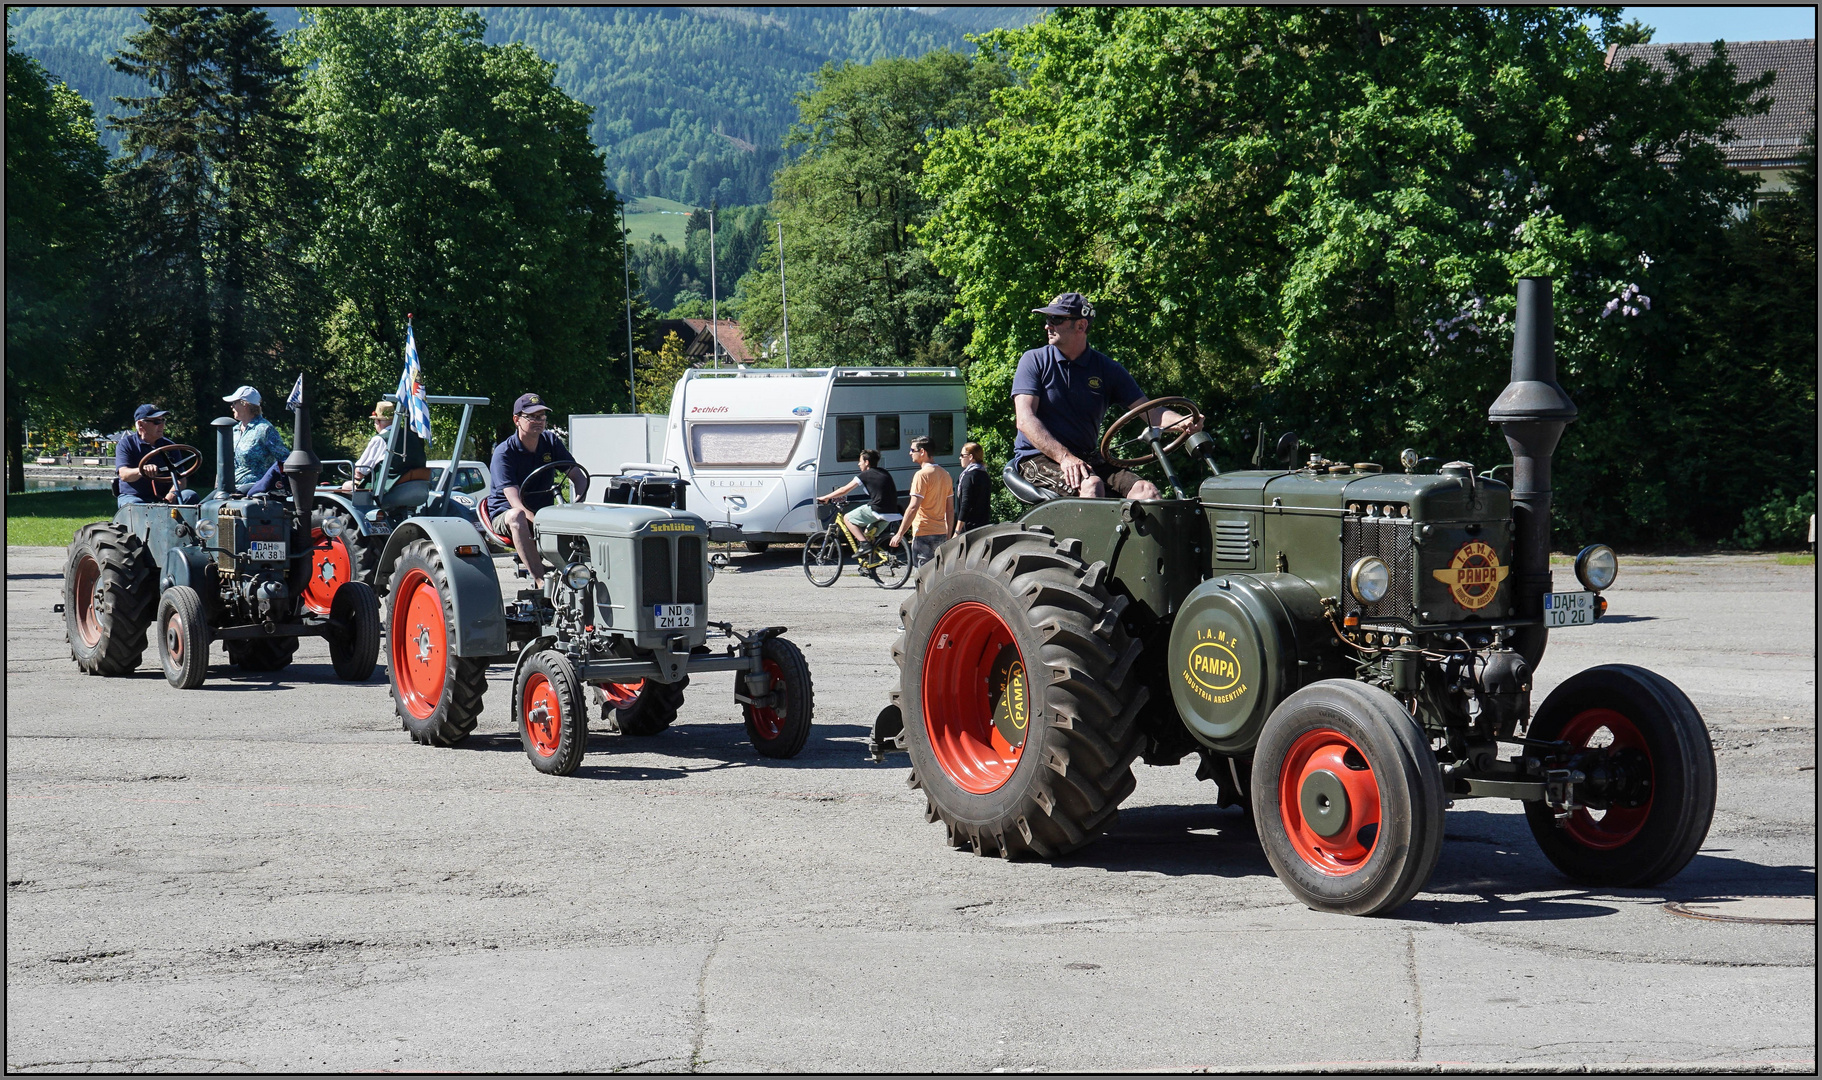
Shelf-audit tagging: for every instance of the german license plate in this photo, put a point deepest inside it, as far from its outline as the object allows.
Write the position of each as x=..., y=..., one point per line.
x=673, y=616
x=268, y=549
x=1569, y=609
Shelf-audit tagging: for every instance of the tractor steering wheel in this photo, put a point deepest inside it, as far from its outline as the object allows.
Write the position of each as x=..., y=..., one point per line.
x=559, y=486
x=170, y=476
x=1137, y=412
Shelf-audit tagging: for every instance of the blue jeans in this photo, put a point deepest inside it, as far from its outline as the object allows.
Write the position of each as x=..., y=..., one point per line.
x=128, y=497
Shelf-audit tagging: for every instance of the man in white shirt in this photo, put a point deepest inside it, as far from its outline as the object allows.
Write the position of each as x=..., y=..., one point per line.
x=376, y=447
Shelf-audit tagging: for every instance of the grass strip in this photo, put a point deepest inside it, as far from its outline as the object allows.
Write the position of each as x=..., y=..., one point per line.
x=51, y=518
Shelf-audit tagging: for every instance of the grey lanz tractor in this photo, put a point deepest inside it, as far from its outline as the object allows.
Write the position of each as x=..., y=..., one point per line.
x=1348, y=650
x=235, y=569
x=620, y=625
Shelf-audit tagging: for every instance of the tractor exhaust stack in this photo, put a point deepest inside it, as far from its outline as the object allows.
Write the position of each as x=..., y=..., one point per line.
x=301, y=469
x=224, y=456
x=1533, y=411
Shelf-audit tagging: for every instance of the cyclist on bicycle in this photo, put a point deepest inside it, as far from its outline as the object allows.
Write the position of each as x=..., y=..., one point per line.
x=881, y=504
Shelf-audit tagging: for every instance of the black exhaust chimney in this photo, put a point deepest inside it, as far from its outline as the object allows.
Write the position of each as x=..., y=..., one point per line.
x=224, y=457
x=1533, y=411
x=301, y=470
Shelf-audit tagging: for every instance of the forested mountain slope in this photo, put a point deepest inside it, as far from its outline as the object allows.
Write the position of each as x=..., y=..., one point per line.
x=690, y=103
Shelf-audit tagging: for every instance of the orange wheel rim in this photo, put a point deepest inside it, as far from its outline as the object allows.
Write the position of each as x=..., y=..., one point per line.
x=767, y=720
x=330, y=567
x=621, y=695
x=88, y=581
x=1328, y=799
x=976, y=698
x=420, y=644
x=1618, y=824
x=173, y=638
x=542, y=714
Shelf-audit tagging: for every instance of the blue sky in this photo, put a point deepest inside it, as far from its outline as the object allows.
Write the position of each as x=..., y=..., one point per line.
x=1675, y=24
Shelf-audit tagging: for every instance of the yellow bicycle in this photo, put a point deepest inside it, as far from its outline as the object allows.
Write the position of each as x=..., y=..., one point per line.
x=826, y=551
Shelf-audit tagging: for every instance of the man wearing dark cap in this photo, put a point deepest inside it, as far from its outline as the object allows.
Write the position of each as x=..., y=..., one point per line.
x=143, y=485
x=1059, y=395
x=527, y=449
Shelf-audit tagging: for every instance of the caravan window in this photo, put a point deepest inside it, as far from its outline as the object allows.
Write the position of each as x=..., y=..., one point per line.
x=942, y=434
x=850, y=437
x=885, y=428
x=742, y=444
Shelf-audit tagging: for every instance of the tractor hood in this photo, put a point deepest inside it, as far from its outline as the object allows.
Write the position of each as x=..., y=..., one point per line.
x=617, y=519
x=1431, y=496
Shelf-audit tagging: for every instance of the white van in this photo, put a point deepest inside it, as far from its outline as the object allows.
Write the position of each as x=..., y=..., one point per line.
x=758, y=446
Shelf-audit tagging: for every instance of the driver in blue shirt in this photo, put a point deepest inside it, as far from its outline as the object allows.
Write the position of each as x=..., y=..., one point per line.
x=1059, y=395
x=142, y=484
x=512, y=504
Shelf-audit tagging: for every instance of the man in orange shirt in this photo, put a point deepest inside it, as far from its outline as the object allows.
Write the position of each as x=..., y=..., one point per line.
x=930, y=515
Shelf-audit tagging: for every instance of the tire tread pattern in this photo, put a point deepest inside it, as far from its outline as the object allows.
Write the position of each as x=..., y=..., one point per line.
x=127, y=603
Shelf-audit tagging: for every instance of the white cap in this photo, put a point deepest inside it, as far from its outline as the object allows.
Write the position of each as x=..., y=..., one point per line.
x=246, y=394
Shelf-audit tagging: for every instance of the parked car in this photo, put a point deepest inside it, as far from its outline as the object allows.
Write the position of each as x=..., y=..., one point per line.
x=472, y=478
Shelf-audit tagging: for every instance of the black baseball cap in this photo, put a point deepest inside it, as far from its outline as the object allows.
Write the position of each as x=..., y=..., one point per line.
x=1072, y=304
x=147, y=412
x=529, y=403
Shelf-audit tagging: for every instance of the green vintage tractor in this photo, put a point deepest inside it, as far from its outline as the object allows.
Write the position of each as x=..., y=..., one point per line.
x=1349, y=650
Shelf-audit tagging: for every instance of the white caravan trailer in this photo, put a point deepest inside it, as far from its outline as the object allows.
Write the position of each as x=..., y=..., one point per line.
x=602, y=442
x=758, y=446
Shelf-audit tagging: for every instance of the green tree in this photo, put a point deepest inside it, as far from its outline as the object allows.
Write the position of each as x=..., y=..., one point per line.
x=658, y=374
x=56, y=219
x=862, y=290
x=1313, y=218
x=210, y=289
x=459, y=186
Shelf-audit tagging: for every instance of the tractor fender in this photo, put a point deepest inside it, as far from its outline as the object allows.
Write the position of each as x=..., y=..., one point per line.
x=479, y=611
x=1233, y=658
x=188, y=566
x=331, y=497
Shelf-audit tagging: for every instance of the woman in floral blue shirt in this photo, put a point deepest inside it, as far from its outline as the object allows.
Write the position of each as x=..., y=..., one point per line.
x=257, y=444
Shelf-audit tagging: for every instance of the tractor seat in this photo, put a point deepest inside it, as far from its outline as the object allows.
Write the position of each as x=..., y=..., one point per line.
x=1024, y=490
x=494, y=542
x=409, y=493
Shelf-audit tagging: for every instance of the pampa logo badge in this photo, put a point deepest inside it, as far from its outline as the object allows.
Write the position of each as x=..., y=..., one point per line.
x=1473, y=575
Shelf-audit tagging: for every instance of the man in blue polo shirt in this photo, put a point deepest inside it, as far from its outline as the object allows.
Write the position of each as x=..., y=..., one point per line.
x=156, y=480
x=528, y=448
x=1059, y=395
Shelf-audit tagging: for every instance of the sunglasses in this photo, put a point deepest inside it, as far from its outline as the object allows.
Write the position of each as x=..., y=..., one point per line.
x=1059, y=320
x=155, y=421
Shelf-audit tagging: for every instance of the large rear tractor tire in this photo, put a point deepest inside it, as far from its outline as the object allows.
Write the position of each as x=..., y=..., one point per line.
x=1656, y=741
x=354, y=640
x=644, y=708
x=551, y=712
x=109, y=596
x=1347, y=798
x=779, y=730
x=262, y=654
x=1018, y=692
x=437, y=693
x=183, y=637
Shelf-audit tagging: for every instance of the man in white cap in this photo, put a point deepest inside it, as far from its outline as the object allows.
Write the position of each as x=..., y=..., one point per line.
x=257, y=444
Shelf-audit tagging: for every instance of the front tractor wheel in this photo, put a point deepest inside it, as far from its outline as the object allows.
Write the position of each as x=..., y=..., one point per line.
x=642, y=708
x=552, y=713
x=1347, y=798
x=780, y=728
x=437, y=693
x=183, y=637
x=1018, y=691
x=354, y=638
x=1649, y=769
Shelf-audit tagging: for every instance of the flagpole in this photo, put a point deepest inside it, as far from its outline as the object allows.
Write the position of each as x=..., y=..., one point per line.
x=626, y=281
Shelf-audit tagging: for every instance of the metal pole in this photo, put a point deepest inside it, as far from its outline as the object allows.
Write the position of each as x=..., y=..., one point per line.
x=784, y=305
x=714, y=302
x=626, y=282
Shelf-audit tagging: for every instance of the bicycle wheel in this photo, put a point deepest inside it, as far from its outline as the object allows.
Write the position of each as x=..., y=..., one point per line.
x=822, y=558
x=896, y=569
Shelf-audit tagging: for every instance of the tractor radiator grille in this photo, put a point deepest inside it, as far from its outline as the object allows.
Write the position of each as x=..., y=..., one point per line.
x=655, y=570
x=1234, y=541
x=1390, y=539
x=689, y=570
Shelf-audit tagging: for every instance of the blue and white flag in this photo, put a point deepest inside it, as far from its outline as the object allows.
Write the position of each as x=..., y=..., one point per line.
x=296, y=400
x=411, y=387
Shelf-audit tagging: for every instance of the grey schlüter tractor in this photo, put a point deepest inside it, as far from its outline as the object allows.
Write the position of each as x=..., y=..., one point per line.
x=1347, y=649
x=621, y=624
x=234, y=569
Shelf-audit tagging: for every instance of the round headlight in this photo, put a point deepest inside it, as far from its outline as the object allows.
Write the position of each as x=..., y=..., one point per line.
x=206, y=529
x=332, y=527
x=1369, y=579
x=578, y=575
x=1597, y=566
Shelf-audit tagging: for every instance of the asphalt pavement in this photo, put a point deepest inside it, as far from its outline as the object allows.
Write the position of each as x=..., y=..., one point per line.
x=267, y=874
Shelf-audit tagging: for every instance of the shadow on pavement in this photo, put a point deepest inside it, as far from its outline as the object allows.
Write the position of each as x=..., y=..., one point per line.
x=718, y=746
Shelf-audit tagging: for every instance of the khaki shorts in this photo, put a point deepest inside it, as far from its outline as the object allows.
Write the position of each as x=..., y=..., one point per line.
x=1046, y=473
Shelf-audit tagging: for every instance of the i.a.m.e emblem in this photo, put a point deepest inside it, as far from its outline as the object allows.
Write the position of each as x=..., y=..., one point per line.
x=1213, y=670
x=1473, y=575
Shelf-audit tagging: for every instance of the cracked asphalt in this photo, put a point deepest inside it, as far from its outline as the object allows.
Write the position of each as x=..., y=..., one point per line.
x=266, y=874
